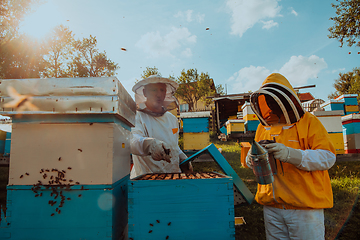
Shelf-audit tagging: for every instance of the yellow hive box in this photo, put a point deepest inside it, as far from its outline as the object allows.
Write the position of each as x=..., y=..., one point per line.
x=235, y=126
x=196, y=141
x=352, y=108
x=337, y=140
x=250, y=117
x=89, y=153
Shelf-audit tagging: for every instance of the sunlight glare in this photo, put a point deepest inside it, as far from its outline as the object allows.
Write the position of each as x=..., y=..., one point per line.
x=40, y=22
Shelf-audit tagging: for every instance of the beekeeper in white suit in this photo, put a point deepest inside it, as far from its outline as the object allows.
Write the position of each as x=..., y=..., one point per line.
x=154, y=139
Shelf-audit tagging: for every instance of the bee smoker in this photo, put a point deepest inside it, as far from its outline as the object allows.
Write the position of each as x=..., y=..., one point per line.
x=261, y=164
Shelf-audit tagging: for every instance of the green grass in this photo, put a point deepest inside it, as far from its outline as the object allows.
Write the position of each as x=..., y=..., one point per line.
x=341, y=221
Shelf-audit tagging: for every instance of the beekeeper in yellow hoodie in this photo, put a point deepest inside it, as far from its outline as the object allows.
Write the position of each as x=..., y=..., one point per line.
x=294, y=203
x=154, y=139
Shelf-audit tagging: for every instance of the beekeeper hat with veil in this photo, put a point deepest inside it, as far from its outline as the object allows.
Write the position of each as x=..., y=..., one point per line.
x=170, y=102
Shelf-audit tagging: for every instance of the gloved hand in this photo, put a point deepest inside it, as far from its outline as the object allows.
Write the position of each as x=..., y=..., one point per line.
x=248, y=160
x=285, y=154
x=158, y=150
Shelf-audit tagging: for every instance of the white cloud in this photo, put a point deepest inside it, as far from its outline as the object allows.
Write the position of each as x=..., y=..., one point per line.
x=156, y=45
x=293, y=11
x=247, y=79
x=269, y=24
x=187, y=52
x=245, y=14
x=298, y=70
x=189, y=16
x=338, y=70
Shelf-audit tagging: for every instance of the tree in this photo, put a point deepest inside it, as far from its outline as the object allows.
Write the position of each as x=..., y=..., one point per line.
x=347, y=83
x=59, y=48
x=11, y=14
x=89, y=62
x=347, y=22
x=194, y=87
x=12, y=62
x=21, y=57
x=150, y=71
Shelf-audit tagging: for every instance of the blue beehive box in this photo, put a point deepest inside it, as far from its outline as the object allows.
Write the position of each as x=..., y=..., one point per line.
x=195, y=122
x=333, y=105
x=76, y=212
x=181, y=206
x=349, y=99
x=251, y=126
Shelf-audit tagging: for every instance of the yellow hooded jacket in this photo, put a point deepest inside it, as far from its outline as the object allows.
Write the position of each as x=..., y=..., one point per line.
x=306, y=186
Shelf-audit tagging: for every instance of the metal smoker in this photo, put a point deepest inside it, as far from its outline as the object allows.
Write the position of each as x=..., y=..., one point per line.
x=261, y=164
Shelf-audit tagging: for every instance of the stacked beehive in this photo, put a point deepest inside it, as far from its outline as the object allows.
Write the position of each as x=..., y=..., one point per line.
x=70, y=158
x=250, y=118
x=351, y=131
x=196, y=133
x=332, y=123
x=350, y=103
x=234, y=126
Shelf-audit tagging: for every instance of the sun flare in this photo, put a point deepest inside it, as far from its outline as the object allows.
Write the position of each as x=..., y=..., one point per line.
x=41, y=22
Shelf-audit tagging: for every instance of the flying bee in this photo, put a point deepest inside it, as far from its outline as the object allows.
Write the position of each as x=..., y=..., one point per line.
x=69, y=168
x=59, y=159
x=80, y=150
x=27, y=174
x=79, y=195
x=21, y=176
x=20, y=102
x=52, y=214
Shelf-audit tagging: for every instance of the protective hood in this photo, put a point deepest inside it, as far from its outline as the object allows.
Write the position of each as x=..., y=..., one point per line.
x=276, y=102
x=170, y=102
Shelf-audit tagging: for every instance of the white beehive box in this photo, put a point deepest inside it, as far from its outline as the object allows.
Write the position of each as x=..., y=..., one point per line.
x=54, y=96
x=97, y=153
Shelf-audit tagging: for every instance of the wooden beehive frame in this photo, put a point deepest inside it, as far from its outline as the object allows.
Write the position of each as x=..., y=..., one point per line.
x=175, y=176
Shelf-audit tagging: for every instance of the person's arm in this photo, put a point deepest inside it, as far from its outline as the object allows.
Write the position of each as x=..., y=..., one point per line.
x=144, y=146
x=320, y=154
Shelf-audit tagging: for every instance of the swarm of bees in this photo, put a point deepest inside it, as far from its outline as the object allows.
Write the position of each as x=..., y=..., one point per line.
x=57, y=183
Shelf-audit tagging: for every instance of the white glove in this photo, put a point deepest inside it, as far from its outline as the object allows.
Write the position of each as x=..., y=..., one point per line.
x=285, y=154
x=158, y=150
x=248, y=160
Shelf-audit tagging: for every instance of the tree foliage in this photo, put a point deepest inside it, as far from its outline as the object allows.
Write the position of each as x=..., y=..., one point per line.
x=194, y=87
x=150, y=71
x=347, y=22
x=347, y=83
x=21, y=57
x=11, y=14
x=59, y=50
x=89, y=62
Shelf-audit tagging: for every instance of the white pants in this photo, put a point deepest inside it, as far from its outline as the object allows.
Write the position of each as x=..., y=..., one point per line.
x=294, y=224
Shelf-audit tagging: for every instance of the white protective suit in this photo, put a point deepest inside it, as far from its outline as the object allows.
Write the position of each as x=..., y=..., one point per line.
x=149, y=126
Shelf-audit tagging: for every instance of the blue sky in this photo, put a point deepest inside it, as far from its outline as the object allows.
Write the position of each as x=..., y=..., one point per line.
x=245, y=41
